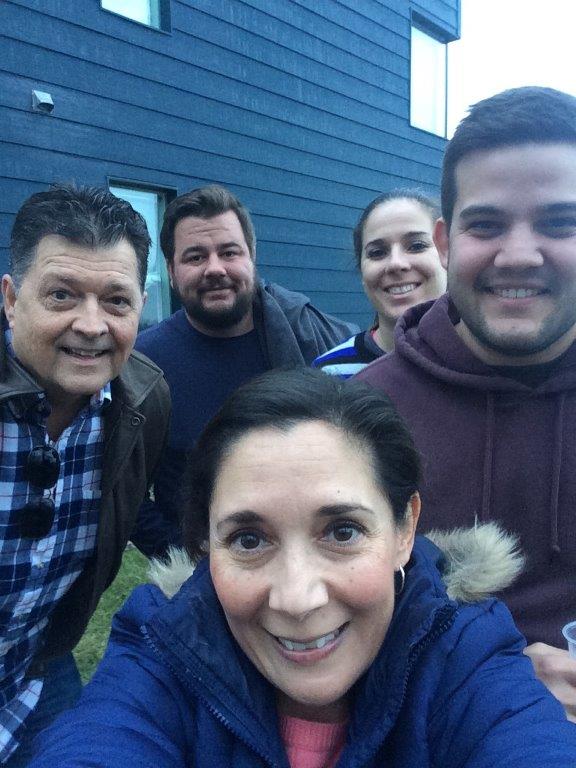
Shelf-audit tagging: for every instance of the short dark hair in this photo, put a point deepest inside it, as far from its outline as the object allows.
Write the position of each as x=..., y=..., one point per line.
x=204, y=203
x=89, y=216
x=281, y=399
x=428, y=203
x=518, y=116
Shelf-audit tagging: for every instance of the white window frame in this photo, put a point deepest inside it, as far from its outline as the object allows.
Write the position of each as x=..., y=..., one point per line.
x=143, y=11
x=428, y=81
x=150, y=203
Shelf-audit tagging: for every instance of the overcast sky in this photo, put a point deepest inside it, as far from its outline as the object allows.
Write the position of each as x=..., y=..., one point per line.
x=507, y=43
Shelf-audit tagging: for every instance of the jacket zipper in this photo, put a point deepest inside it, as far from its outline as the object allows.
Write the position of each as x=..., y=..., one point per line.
x=215, y=712
x=443, y=622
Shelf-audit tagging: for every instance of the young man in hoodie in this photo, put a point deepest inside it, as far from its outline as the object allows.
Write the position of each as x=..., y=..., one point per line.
x=486, y=375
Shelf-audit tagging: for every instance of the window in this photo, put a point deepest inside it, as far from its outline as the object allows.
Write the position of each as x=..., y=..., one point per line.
x=151, y=205
x=428, y=82
x=144, y=11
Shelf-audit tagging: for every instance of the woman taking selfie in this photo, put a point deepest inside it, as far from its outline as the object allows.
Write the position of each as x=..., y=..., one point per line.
x=317, y=631
x=399, y=266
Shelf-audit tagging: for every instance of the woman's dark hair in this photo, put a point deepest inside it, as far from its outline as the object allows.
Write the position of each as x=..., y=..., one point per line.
x=428, y=203
x=281, y=399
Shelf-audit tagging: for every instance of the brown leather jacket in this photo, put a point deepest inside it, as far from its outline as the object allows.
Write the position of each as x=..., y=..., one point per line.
x=135, y=431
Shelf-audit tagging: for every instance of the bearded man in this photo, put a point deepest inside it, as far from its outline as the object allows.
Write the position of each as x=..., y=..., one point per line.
x=232, y=327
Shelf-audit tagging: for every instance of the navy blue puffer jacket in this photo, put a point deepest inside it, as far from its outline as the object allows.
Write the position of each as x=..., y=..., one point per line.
x=449, y=688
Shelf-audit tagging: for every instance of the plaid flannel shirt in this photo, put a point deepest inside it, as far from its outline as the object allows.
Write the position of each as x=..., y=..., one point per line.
x=35, y=574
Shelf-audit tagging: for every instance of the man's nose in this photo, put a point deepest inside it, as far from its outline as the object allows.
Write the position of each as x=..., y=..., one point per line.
x=91, y=318
x=520, y=248
x=214, y=265
x=298, y=588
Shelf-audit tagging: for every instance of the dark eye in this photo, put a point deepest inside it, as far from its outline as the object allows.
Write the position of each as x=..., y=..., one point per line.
x=192, y=258
x=376, y=253
x=119, y=301
x=558, y=226
x=485, y=228
x=229, y=254
x=418, y=246
x=344, y=533
x=247, y=542
x=60, y=295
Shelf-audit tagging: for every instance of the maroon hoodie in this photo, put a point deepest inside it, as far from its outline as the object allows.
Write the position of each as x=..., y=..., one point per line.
x=493, y=448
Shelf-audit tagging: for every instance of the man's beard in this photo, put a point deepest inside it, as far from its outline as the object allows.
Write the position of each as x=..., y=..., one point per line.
x=219, y=319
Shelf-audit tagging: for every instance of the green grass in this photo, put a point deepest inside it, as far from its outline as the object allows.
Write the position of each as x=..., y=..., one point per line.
x=90, y=649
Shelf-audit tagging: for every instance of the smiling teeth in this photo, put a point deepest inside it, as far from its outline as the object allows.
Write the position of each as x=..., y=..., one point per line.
x=292, y=645
x=85, y=353
x=516, y=293
x=399, y=289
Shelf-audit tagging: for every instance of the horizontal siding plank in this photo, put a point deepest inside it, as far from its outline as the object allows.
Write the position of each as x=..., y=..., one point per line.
x=307, y=280
x=385, y=27
x=85, y=109
x=322, y=134
x=312, y=30
x=92, y=142
x=445, y=15
x=187, y=50
x=330, y=67
x=290, y=95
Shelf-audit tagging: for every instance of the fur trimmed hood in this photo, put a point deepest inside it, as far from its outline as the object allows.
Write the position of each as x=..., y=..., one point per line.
x=479, y=561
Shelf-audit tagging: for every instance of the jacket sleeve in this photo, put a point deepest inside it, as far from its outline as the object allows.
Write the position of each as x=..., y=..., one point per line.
x=159, y=523
x=493, y=711
x=132, y=713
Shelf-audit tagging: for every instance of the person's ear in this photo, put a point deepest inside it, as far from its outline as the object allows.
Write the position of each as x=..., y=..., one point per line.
x=9, y=298
x=407, y=532
x=441, y=241
x=170, y=268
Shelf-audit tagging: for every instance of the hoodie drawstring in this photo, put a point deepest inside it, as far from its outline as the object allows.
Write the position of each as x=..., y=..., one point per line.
x=488, y=458
x=556, y=465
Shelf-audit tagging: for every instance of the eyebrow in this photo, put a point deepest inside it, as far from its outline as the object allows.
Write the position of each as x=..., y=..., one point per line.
x=202, y=248
x=243, y=517
x=249, y=517
x=559, y=208
x=406, y=234
x=73, y=282
x=480, y=210
x=338, y=510
x=492, y=210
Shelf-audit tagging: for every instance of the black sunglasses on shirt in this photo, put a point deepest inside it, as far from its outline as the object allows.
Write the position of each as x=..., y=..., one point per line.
x=42, y=470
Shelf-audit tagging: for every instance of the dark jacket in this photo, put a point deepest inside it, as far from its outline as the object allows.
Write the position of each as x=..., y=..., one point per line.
x=291, y=332
x=494, y=448
x=135, y=429
x=291, y=329
x=450, y=687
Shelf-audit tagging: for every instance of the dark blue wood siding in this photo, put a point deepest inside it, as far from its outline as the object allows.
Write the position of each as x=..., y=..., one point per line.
x=299, y=106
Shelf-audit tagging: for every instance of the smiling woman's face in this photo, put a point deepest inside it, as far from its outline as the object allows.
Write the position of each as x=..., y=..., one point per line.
x=303, y=549
x=399, y=263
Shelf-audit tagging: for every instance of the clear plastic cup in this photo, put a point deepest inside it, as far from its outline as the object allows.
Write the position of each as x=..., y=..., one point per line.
x=569, y=632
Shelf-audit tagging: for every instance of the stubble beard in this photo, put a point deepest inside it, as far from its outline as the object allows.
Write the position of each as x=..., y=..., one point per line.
x=219, y=319
x=551, y=328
